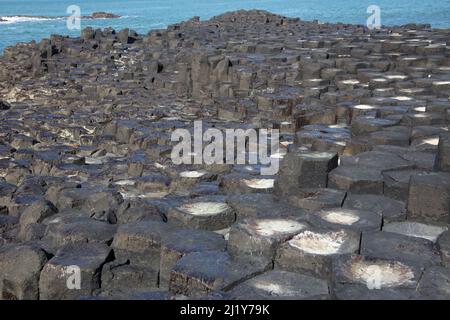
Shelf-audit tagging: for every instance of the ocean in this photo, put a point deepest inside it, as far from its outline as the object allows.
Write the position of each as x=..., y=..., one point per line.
x=47, y=16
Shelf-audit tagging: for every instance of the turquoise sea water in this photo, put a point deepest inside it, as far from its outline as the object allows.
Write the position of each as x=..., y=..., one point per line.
x=143, y=15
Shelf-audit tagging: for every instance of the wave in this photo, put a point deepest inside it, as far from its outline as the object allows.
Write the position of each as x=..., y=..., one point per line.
x=17, y=19
x=25, y=18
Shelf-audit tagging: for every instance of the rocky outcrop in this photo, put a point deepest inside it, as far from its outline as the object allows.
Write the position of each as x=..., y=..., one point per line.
x=358, y=210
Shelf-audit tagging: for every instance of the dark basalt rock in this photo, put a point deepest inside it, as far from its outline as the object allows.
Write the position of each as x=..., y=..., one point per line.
x=87, y=177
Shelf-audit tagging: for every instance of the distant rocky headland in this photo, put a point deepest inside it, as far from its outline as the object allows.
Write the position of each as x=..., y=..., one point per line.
x=358, y=210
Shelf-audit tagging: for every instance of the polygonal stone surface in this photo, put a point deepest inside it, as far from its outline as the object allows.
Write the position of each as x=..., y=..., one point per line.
x=429, y=197
x=396, y=183
x=356, y=179
x=340, y=218
x=284, y=285
x=199, y=273
x=435, y=284
x=391, y=210
x=140, y=243
x=261, y=237
x=375, y=274
x=443, y=156
x=58, y=275
x=259, y=205
x=312, y=251
x=119, y=277
x=208, y=213
x=397, y=247
x=316, y=199
x=443, y=244
x=377, y=160
x=84, y=230
x=177, y=244
x=304, y=170
x=20, y=266
x=415, y=229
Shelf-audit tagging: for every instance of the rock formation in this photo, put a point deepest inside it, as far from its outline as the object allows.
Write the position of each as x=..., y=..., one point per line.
x=359, y=208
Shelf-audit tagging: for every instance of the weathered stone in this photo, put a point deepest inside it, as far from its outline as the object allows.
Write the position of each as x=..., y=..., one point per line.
x=59, y=275
x=262, y=237
x=375, y=274
x=415, y=229
x=443, y=156
x=281, y=285
x=356, y=179
x=313, y=251
x=342, y=218
x=304, y=170
x=120, y=277
x=443, y=244
x=429, y=197
x=434, y=283
x=315, y=199
x=391, y=210
x=208, y=213
x=140, y=243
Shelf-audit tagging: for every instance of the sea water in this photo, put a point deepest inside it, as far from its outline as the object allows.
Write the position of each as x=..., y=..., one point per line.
x=144, y=15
